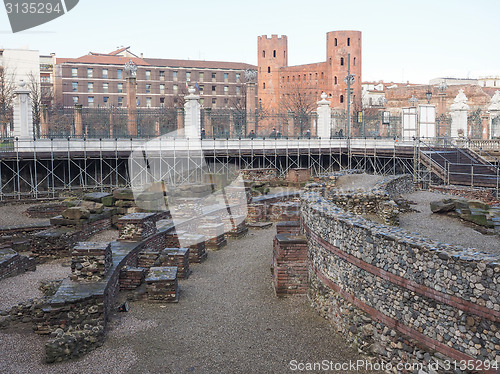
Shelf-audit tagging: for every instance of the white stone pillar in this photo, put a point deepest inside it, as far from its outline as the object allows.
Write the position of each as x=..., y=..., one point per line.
x=494, y=110
x=23, y=113
x=459, y=110
x=324, y=126
x=192, y=117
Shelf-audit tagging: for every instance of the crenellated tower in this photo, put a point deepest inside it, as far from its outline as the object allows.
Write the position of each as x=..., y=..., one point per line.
x=272, y=55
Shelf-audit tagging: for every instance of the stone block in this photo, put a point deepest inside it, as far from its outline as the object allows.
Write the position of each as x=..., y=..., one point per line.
x=123, y=194
x=162, y=285
x=92, y=207
x=96, y=196
x=76, y=213
x=441, y=207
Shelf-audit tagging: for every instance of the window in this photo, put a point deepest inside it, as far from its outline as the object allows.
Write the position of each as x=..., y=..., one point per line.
x=268, y=69
x=238, y=90
x=162, y=75
x=105, y=73
x=341, y=98
x=202, y=101
x=354, y=61
x=263, y=85
x=162, y=102
x=90, y=87
x=335, y=80
x=213, y=90
x=288, y=78
x=264, y=54
x=188, y=76
x=119, y=74
x=316, y=76
x=120, y=101
x=148, y=102
x=90, y=73
x=330, y=61
x=201, y=76
x=335, y=42
x=105, y=87
x=348, y=42
x=237, y=77
x=342, y=61
x=148, y=75
x=201, y=88
x=162, y=89
x=91, y=101
x=213, y=77
x=298, y=78
x=75, y=99
x=322, y=75
x=214, y=101
x=226, y=90
x=119, y=88
x=74, y=86
x=74, y=72
x=105, y=99
x=226, y=77
x=274, y=53
x=175, y=89
x=174, y=75
x=148, y=88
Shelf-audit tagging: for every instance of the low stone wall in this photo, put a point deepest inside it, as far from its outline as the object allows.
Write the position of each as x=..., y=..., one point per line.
x=12, y=263
x=402, y=296
x=485, y=195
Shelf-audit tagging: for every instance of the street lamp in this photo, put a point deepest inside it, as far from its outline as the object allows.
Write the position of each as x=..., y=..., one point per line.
x=428, y=94
x=413, y=100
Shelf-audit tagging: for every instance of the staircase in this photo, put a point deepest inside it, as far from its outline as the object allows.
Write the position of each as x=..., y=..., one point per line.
x=459, y=166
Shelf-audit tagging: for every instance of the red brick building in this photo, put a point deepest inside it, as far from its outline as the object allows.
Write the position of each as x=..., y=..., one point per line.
x=98, y=79
x=277, y=80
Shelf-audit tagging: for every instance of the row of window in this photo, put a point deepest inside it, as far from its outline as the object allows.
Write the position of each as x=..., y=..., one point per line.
x=348, y=42
x=274, y=53
x=105, y=74
x=148, y=89
x=106, y=101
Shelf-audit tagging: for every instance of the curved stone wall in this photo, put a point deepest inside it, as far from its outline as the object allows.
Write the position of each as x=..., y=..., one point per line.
x=401, y=295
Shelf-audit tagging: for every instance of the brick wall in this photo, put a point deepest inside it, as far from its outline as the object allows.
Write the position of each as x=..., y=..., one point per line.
x=290, y=266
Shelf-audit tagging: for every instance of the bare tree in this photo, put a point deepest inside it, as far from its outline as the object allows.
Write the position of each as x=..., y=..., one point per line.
x=299, y=100
x=39, y=97
x=7, y=87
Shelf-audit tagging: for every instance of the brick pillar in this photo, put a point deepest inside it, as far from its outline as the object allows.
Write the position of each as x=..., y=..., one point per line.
x=78, y=121
x=180, y=122
x=209, y=130
x=485, y=119
x=290, y=267
x=251, y=107
x=132, y=106
x=44, y=126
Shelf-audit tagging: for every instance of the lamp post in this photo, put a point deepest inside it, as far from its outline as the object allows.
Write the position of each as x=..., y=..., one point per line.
x=428, y=94
x=413, y=100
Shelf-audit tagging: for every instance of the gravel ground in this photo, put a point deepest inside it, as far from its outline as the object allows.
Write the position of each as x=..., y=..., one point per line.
x=228, y=320
x=355, y=181
x=442, y=227
x=16, y=215
x=105, y=236
x=25, y=286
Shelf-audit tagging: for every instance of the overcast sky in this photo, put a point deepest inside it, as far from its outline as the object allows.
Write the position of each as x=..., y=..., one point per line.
x=402, y=39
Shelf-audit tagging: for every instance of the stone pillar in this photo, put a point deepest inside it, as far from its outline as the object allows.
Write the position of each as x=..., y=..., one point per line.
x=494, y=120
x=251, y=107
x=459, y=110
x=78, y=121
x=292, y=131
x=485, y=120
x=192, y=118
x=157, y=128
x=324, y=118
x=132, y=106
x=44, y=126
x=231, y=125
x=23, y=113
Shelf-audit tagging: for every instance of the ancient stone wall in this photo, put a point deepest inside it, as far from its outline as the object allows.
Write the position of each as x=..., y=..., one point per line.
x=400, y=295
x=485, y=195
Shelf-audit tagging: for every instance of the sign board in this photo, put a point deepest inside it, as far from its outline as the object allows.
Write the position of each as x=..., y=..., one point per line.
x=409, y=123
x=427, y=121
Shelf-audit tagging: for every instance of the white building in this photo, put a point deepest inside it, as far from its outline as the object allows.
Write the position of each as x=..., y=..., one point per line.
x=20, y=64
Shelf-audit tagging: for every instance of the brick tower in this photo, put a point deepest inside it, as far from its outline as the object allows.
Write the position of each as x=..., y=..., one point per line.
x=273, y=54
x=338, y=45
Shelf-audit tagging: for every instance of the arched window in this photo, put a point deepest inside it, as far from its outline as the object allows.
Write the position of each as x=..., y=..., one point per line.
x=335, y=80
x=341, y=98
x=263, y=85
x=264, y=54
x=274, y=53
x=335, y=42
x=342, y=61
x=322, y=75
x=268, y=69
x=354, y=61
x=330, y=61
x=348, y=41
x=284, y=54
